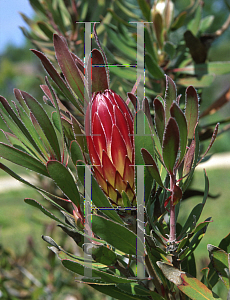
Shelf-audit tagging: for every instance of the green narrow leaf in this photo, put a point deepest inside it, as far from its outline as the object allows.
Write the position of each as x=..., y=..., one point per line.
x=153, y=67
x=188, y=159
x=116, y=235
x=213, y=67
x=151, y=166
x=18, y=96
x=149, y=45
x=36, y=204
x=211, y=142
x=54, y=99
x=170, y=144
x=45, y=123
x=47, y=30
x=123, y=48
x=197, y=210
x=64, y=180
x=170, y=96
x=98, y=197
x=177, y=113
x=68, y=67
x=219, y=260
x=145, y=8
x=191, y=110
x=79, y=136
x=21, y=132
x=29, y=125
x=22, y=159
x=125, y=73
x=189, y=285
x=159, y=28
x=142, y=141
x=76, y=152
x=159, y=118
x=27, y=147
x=101, y=253
x=57, y=79
x=179, y=21
x=38, y=7
x=194, y=24
x=115, y=291
x=44, y=193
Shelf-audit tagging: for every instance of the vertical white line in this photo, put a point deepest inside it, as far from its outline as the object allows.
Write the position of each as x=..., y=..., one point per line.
x=140, y=221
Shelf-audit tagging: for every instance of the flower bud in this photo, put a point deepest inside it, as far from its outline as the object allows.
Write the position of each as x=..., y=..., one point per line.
x=109, y=131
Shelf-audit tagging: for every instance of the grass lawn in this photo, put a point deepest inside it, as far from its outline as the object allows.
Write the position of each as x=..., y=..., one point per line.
x=19, y=220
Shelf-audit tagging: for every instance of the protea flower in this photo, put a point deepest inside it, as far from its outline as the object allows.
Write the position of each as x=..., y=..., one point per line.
x=111, y=145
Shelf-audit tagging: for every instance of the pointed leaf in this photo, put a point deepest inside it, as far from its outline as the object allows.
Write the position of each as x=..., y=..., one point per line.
x=57, y=78
x=48, y=196
x=116, y=291
x=151, y=166
x=189, y=285
x=211, y=142
x=177, y=113
x=219, y=260
x=170, y=144
x=159, y=118
x=79, y=136
x=76, y=152
x=197, y=210
x=36, y=204
x=23, y=159
x=18, y=96
x=142, y=141
x=64, y=180
x=116, y=235
x=115, y=39
x=101, y=253
x=134, y=100
x=191, y=110
x=146, y=110
x=188, y=160
x=18, y=122
x=68, y=67
x=170, y=96
x=145, y=8
x=99, y=76
x=78, y=266
x=44, y=121
x=153, y=67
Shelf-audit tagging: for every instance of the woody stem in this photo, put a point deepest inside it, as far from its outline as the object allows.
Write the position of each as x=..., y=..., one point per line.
x=172, y=234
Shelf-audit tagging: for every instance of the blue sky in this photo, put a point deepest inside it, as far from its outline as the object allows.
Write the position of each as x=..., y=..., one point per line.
x=10, y=20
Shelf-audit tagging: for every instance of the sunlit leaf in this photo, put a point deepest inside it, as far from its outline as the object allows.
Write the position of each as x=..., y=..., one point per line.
x=159, y=118
x=23, y=159
x=170, y=96
x=170, y=145
x=189, y=285
x=177, y=113
x=151, y=166
x=64, y=180
x=116, y=235
x=44, y=121
x=191, y=110
x=219, y=260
